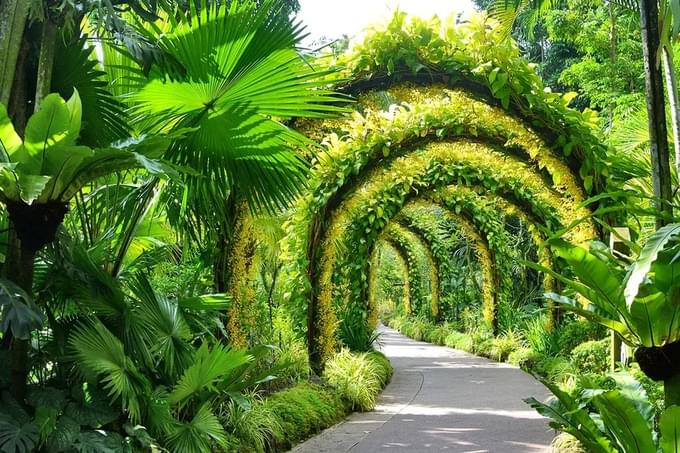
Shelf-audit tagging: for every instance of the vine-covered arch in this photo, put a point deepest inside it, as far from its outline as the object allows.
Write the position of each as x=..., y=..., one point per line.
x=417, y=217
x=412, y=246
x=488, y=123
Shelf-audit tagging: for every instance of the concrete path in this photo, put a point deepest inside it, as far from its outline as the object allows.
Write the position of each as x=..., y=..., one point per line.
x=442, y=399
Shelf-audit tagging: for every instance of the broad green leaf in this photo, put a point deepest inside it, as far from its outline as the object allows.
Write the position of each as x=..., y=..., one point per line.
x=615, y=325
x=669, y=429
x=46, y=420
x=31, y=186
x=596, y=274
x=16, y=436
x=18, y=313
x=48, y=127
x=568, y=416
x=648, y=255
x=635, y=393
x=620, y=416
x=75, y=110
x=64, y=434
x=652, y=317
x=10, y=142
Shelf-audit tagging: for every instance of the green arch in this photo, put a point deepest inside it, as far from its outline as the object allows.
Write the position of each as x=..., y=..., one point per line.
x=497, y=85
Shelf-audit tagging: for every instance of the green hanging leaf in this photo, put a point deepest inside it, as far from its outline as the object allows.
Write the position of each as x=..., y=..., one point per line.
x=669, y=429
x=648, y=255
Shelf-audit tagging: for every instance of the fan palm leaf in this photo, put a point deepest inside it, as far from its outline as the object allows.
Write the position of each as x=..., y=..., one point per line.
x=99, y=352
x=210, y=367
x=199, y=434
x=241, y=74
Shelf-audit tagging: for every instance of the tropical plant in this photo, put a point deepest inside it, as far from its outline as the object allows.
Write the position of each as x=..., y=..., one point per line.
x=638, y=301
x=41, y=173
x=618, y=420
x=357, y=377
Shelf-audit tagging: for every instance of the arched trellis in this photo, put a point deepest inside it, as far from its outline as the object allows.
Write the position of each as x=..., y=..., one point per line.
x=406, y=295
x=429, y=233
x=436, y=165
x=558, y=146
x=411, y=218
x=409, y=245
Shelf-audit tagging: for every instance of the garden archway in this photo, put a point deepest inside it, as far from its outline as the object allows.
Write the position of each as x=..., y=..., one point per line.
x=475, y=114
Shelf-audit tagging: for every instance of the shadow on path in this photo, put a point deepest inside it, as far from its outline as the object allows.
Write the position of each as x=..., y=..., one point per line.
x=442, y=399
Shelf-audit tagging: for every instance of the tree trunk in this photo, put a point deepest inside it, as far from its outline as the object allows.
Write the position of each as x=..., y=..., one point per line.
x=19, y=265
x=13, y=14
x=45, y=62
x=672, y=87
x=658, y=138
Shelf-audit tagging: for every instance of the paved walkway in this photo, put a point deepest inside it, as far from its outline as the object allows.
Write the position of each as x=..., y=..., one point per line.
x=442, y=399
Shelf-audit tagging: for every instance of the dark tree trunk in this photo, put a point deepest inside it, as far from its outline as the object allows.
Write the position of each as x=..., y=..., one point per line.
x=656, y=111
x=20, y=265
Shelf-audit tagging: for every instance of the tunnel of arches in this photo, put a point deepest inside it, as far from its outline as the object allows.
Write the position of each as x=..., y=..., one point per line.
x=466, y=135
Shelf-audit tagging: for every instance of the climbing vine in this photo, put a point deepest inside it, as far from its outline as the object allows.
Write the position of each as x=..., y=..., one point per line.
x=488, y=124
x=408, y=245
x=474, y=54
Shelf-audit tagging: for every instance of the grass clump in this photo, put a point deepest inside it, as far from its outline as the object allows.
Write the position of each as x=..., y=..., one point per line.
x=303, y=410
x=566, y=443
x=505, y=345
x=358, y=377
x=437, y=334
x=257, y=428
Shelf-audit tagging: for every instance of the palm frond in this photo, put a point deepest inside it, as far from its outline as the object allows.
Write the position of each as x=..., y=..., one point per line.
x=99, y=352
x=242, y=72
x=164, y=327
x=209, y=368
x=104, y=117
x=200, y=434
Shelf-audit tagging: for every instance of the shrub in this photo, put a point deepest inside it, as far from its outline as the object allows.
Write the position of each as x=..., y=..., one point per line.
x=453, y=338
x=591, y=381
x=525, y=358
x=437, y=334
x=505, y=345
x=482, y=341
x=383, y=365
x=591, y=357
x=654, y=389
x=558, y=369
x=292, y=364
x=256, y=428
x=358, y=378
x=459, y=340
x=574, y=333
x=482, y=346
x=415, y=329
x=539, y=338
x=304, y=410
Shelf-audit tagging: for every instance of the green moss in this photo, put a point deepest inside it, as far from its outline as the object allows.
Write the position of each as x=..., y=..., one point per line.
x=302, y=411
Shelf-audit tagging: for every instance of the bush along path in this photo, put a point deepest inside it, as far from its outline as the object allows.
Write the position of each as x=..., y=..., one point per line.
x=352, y=381
x=442, y=399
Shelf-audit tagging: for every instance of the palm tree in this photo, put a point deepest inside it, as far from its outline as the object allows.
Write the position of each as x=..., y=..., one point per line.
x=241, y=77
